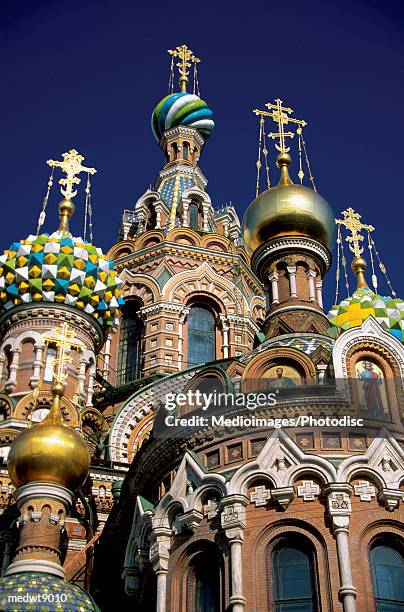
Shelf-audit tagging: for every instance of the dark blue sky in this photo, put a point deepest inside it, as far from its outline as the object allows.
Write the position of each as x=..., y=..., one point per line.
x=87, y=74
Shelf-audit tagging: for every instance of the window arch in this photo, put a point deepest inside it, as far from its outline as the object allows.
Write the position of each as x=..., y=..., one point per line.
x=293, y=578
x=201, y=336
x=130, y=345
x=387, y=565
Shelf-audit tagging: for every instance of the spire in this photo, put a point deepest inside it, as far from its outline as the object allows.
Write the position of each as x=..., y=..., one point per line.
x=187, y=59
x=71, y=165
x=352, y=222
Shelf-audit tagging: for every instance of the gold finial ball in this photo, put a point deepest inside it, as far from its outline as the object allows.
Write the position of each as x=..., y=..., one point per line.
x=283, y=159
x=288, y=210
x=49, y=452
x=358, y=264
x=66, y=207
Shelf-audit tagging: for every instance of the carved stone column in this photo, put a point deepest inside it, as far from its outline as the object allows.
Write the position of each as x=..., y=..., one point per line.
x=12, y=379
x=225, y=329
x=292, y=280
x=311, y=275
x=107, y=356
x=205, y=216
x=181, y=336
x=159, y=555
x=339, y=509
x=319, y=292
x=233, y=520
x=273, y=278
x=82, y=377
x=90, y=387
x=37, y=367
x=185, y=213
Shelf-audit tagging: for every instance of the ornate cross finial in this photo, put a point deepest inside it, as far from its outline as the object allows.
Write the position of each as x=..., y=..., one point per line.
x=280, y=115
x=63, y=338
x=187, y=58
x=71, y=165
x=352, y=221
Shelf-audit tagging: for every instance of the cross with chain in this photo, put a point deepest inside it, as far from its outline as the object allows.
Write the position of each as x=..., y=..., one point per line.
x=187, y=58
x=71, y=165
x=352, y=222
x=280, y=115
x=63, y=338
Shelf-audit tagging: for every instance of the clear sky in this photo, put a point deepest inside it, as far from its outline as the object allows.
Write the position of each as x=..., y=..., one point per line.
x=88, y=73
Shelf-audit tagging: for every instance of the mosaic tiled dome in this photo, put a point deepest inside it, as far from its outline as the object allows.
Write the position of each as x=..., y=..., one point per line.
x=46, y=593
x=352, y=312
x=182, y=109
x=62, y=269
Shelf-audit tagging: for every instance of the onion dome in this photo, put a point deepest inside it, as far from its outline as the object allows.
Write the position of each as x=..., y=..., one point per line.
x=49, y=451
x=65, y=596
x=182, y=109
x=352, y=312
x=288, y=210
x=62, y=269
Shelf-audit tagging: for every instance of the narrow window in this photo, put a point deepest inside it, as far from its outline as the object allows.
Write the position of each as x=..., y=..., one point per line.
x=49, y=364
x=292, y=572
x=388, y=578
x=130, y=346
x=201, y=336
x=193, y=215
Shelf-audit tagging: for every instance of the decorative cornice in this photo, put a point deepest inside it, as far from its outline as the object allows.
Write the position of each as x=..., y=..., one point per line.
x=287, y=244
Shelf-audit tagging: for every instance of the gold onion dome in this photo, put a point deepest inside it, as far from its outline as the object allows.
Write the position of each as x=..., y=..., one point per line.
x=288, y=210
x=50, y=451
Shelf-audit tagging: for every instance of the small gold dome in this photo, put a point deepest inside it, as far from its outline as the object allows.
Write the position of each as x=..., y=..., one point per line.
x=288, y=210
x=49, y=452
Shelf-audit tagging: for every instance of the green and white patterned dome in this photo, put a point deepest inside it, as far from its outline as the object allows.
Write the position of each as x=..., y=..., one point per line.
x=352, y=312
x=42, y=593
x=62, y=269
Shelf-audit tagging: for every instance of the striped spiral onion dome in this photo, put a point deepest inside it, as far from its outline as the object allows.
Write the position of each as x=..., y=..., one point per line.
x=182, y=109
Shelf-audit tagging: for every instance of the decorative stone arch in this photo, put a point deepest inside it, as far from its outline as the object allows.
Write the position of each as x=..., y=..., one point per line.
x=149, y=239
x=194, y=194
x=6, y=406
x=139, y=434
x=121, y=249
x=188, y=233
x=384, y=449
x=288, y=529
x=210, y=372
x=26, y=405
x=140, y=286
x=204, y=281
x=281, y=446
x=371, y=341
x=257, y=367
x=217, y=242
x=30, y=335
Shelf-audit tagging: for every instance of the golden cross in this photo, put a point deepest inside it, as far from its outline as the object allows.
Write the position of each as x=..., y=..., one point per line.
x=187, y=58
x=352, y=221
x=71, y=165
x=280, y=115
x=63, y=338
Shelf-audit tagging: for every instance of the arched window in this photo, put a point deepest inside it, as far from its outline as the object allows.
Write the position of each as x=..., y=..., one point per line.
x=204, y=583
x=201, y=336
x=387, y=565
x=185, y=150
x=194, y=215
x=130, y=345
x=292, y=579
